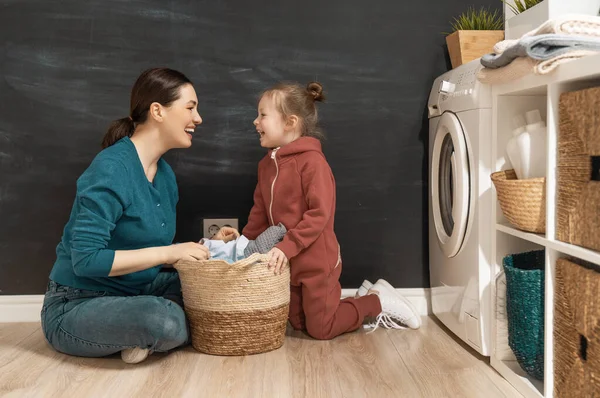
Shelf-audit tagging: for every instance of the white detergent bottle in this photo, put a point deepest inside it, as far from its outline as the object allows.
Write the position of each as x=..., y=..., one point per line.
x=532, y=145
x=512, y=148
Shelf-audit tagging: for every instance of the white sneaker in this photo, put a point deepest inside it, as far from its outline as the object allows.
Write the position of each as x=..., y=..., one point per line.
x=363, y=289
x=135, y=354
x=394, y=308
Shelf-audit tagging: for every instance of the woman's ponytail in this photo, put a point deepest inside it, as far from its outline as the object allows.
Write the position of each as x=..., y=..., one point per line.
x=118, y=129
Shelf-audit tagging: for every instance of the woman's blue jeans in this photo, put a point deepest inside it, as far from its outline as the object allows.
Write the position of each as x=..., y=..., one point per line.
x=95, y=323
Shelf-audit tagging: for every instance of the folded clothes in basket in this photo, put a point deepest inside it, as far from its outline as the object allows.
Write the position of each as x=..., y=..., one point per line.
x=242, y=247
x=541, y=48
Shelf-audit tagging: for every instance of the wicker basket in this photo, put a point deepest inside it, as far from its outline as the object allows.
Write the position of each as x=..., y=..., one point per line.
x=576, y=331
x=578, y=158
x=525, y=309
x=523, y=202
x=235, y=309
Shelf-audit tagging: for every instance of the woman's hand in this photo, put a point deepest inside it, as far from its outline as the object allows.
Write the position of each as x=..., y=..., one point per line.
x=278, y=260
x=129, y=261
x=227, y=234
x=190, y=251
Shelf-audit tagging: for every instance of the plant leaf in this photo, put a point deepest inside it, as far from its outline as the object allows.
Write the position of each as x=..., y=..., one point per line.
x=521, y=5
x=482, y=19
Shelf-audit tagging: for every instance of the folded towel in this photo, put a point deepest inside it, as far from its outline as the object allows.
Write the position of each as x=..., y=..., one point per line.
x=569, y=24
x=547, y=66
x=554, y=46
x=541, y=48
x=501, y=46
x=515, y=70
x=523, y=66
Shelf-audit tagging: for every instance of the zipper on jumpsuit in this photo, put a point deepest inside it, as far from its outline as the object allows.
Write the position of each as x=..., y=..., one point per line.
x=273, y=156
x=273, y=184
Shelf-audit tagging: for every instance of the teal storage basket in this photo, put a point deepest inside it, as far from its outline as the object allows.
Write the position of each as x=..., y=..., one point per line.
x=525, y=309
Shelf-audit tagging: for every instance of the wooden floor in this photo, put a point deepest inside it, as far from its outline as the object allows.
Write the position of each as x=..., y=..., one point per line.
x=387, y=363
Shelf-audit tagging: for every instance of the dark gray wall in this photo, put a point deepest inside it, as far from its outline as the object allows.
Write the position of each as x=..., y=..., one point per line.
x=66, y=69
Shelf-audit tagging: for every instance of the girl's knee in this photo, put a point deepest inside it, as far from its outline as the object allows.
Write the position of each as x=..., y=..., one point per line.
x=318, y=331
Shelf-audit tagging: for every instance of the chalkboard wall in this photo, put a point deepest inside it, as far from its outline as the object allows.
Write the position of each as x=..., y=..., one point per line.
x=66, y=70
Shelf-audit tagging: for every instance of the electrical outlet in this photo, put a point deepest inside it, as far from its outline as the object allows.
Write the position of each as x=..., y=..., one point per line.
x=213, y=225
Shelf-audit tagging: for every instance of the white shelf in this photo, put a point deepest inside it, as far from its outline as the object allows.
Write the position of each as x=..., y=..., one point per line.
x=583, y=68
x=543, y=93
x=523, y=383
x=563, y=247
x=575, y=251
x=531, y=237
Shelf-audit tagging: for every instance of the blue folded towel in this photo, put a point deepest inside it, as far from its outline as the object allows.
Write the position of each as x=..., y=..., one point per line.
x=541, y=48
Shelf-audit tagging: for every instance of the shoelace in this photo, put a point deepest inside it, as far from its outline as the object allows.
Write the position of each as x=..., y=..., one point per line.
x=385, y=321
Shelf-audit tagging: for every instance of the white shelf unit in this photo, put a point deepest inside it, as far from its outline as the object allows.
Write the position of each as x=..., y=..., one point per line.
x=527, y=93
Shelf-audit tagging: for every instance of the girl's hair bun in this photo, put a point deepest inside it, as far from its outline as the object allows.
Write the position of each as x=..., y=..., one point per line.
x=315, y=89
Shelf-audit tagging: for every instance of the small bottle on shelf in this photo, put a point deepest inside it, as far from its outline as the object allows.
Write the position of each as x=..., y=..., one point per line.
x=533, y=146
x=512, y=148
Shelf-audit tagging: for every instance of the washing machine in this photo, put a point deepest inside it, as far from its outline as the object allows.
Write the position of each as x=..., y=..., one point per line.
x=460, y=158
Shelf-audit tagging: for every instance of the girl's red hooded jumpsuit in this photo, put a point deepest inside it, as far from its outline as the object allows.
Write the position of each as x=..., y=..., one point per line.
x=296, y=187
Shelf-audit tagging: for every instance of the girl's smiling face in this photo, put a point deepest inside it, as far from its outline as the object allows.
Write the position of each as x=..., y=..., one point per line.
x=273, y=129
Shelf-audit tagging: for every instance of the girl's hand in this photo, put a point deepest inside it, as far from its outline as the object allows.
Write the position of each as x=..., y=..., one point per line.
x=278, y=260
x=227, y=234
x=190, y=251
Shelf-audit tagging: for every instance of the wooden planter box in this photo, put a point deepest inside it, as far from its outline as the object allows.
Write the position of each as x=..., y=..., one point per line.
x=466, y=45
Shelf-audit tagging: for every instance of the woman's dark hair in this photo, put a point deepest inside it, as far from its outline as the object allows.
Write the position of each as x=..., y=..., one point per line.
x=160, y=85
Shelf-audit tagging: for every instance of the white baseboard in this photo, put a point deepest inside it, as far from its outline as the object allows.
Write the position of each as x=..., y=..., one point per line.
x=27, y=308
x=419, y=297
x=21, y=308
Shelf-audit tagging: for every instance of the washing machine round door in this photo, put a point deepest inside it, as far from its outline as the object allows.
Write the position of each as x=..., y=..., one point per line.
x=450, y=184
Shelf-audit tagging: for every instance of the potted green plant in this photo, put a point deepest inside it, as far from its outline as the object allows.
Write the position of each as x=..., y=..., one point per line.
x=475, y=32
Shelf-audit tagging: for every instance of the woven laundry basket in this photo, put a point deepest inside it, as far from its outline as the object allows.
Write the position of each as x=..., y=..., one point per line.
x=503, y=350
x=523, y=202
x=576, y=331
x=235, y=309
x=578, y=168
x=525, y=309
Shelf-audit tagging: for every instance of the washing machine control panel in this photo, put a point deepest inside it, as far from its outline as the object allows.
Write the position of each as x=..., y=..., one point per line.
x=447, y=87
x=467, y=79
x=459, y=90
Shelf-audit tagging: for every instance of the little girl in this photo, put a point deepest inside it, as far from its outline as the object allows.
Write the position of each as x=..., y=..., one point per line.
x=296, y=188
